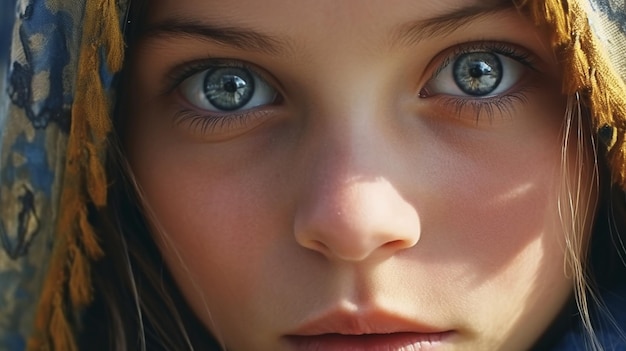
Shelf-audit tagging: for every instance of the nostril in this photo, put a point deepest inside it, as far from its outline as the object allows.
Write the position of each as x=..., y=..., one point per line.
x=318, y=246
x=396, y=245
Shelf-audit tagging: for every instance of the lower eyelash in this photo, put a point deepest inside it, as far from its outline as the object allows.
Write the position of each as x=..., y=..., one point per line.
x=207, y=124
x=502, y=106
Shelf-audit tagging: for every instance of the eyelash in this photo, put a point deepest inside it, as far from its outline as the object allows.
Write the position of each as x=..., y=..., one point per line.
x=207, y=123
x=460, y=107
x=229, y=121
x=508, y=50
x=485, y=107
x=183, y=71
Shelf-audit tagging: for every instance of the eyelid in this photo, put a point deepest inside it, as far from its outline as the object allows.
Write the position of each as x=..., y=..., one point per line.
x=214, y=125
x=181, y=72
x=475, y=109
x=220, y=126
x=513, y=51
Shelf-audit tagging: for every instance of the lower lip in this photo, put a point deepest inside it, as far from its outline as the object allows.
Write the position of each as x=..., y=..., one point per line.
x=369, y=342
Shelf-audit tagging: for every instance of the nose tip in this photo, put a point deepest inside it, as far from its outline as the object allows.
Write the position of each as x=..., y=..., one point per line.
x=357, y=221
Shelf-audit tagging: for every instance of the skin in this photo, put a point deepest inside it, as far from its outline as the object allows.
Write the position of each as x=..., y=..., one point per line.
x=352, y=191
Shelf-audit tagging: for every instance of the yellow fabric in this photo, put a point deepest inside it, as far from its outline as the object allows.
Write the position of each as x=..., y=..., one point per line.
x=588, y=71
x=76, y=244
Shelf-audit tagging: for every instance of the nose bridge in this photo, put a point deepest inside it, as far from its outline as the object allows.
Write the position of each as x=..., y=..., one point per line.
x=350, y=209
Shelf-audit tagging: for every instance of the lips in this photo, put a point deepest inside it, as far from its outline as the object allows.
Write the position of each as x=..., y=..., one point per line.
x=369, y=342
x=374, y=331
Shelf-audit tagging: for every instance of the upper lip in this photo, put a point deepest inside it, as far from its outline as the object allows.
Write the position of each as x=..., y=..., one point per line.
x=360, y=323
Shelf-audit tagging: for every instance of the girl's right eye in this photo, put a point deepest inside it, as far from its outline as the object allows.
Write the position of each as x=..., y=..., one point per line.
x=227, y=89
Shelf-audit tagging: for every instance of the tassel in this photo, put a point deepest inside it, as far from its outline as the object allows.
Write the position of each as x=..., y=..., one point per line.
x=96, y=177
x=89, y=237
x=579, y=64
x=586, y=71
x=555, y=11
x=49, y=301
x=79, y=282
x=549, y=11
x=114, y=40
x=608, y=136
x=84, y=183
x=619, y=158
x=59, y=327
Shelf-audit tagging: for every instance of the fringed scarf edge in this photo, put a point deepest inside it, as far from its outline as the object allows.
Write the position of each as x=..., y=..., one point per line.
x=588, y=72
x=68, y=288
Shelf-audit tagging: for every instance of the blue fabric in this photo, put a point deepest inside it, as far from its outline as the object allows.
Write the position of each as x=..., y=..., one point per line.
x=39, y=46
x=610, y=328
x=40, y=43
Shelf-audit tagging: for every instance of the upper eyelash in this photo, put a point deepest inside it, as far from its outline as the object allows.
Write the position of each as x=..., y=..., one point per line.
x=509, y=50
x=486, y=106
x=183, y=71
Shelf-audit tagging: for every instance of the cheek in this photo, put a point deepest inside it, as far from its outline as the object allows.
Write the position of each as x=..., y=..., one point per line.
x=501, y=193
x=499, y=229
x=502, y=206
x=216, y=225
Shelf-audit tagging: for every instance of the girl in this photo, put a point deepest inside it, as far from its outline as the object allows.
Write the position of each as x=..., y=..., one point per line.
x=293, y=175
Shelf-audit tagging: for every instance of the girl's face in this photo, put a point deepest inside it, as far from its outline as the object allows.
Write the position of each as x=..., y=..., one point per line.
x=339, y=175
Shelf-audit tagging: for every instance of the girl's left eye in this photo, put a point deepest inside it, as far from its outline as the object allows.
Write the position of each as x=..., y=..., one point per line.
x=227, y=89
x=475, y=74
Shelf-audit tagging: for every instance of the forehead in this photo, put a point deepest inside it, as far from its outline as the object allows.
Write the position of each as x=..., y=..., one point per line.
x=281, y=14
x=280, y=24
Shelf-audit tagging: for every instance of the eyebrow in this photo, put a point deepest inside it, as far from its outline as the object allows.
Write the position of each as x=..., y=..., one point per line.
x=250, y=40
x=417, y=31
x=240, y=38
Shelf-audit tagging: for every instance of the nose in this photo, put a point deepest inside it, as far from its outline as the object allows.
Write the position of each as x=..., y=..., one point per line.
x=348, y=215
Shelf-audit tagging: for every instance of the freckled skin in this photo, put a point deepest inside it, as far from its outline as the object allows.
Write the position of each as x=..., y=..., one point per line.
x=353, y=192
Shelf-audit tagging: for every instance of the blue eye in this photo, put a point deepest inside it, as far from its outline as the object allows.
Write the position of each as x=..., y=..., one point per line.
x=226, y=89
x=476, y=74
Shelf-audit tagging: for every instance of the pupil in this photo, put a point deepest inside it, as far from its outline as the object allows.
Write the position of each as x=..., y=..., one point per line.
x=477, y=73
x=230, y=85
x=228, y=88
x=479, y=69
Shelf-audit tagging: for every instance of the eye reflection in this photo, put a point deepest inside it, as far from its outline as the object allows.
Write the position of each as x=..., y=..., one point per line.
x=475, y=74
x=226, y=89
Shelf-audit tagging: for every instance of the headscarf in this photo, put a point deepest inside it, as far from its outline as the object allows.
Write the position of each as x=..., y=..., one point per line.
x=58, y=60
